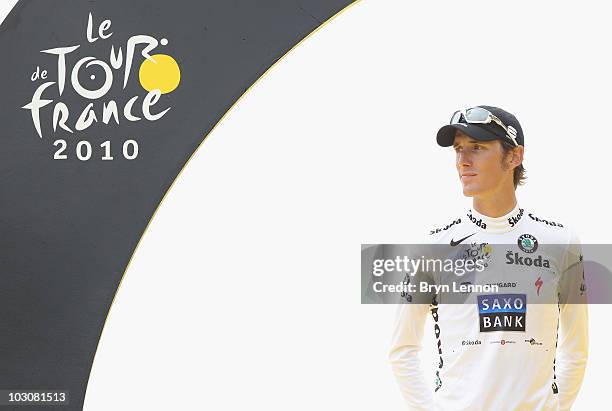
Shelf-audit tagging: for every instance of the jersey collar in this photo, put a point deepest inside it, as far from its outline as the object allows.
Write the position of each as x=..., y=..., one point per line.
x=501, y=224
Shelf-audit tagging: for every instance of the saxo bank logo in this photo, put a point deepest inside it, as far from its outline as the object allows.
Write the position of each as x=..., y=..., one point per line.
x=502, y=312
x=92, y=78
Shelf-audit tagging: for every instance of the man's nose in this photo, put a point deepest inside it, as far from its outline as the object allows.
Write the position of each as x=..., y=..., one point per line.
x=463, y=158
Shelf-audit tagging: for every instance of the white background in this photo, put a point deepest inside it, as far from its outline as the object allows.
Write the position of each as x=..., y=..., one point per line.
x=244, y=292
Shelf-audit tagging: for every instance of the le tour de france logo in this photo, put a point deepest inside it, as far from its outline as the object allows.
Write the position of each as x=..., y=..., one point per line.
x=157, y=74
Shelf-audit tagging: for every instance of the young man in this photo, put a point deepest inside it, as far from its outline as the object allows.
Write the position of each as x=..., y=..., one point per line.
x=523, y=347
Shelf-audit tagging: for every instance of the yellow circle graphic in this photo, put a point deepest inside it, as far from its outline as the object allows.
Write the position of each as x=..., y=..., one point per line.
x=163, y=73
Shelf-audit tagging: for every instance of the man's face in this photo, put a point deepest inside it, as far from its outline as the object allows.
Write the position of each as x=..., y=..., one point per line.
x=479, y=164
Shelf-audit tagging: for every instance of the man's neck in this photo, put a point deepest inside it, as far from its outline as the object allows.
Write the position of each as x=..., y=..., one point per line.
x=497, y=205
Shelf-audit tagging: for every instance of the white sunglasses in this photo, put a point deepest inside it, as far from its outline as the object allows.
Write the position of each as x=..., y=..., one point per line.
x=479, y=115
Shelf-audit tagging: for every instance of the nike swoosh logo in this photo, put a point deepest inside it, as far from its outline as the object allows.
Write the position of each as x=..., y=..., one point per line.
x=454, y=243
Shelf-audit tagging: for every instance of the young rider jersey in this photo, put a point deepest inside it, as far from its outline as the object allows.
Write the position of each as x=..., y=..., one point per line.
x=519, y=342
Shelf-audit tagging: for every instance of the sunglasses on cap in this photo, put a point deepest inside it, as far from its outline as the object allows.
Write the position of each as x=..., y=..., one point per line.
x=479, y=115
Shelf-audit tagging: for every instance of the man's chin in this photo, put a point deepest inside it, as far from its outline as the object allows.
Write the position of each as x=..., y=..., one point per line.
x=469, y=191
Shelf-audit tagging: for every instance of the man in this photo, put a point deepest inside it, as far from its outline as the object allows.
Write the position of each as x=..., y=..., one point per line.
x=523, y=347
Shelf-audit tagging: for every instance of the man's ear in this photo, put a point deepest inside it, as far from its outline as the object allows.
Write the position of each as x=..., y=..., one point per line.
x=513, y=158
x=517, y=156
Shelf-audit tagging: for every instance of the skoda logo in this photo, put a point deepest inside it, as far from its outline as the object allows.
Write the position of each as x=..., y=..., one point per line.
x=528, y=243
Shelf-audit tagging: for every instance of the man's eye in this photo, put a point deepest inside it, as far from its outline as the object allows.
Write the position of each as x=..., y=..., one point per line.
x=477, y=147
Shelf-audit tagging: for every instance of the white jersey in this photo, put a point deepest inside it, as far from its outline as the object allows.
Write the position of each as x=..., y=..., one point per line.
x=523, y=347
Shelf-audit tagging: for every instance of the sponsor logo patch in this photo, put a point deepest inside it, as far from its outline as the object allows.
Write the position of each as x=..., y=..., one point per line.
x=502, y=312
x=505, y=284
x=541, y=220
x=434, y=315
x=404, y=294
x=527, y=243
x=454, y=243
x=476, y=252
x=538, y=284
x=516, y=259
x=515, y=219
x=478, y=223
x=503, y=342
x=439, y=230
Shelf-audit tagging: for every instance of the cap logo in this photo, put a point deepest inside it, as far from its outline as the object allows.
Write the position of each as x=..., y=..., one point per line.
x=512, y=134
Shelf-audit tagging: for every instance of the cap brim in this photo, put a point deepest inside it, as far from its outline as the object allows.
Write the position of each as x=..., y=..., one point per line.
x=446, y=134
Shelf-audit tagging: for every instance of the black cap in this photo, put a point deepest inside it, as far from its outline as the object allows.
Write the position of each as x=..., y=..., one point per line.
x=482, y=132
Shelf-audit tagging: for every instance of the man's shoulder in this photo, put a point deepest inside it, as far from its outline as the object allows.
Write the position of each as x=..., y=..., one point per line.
x=554, y=230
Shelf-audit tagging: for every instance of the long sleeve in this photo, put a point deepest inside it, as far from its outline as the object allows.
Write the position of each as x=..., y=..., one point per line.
x=572, y=350
x=404, y=356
